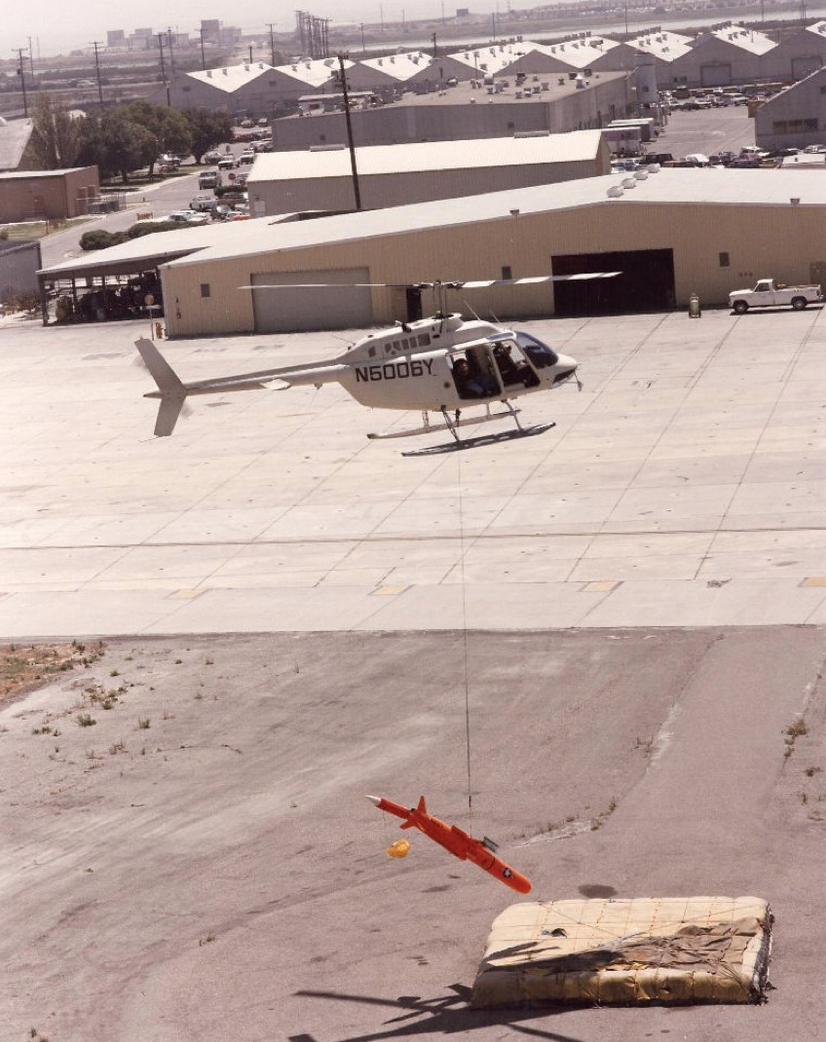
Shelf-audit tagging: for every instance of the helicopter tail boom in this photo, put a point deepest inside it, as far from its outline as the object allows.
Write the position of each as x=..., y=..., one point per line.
x=173, y=392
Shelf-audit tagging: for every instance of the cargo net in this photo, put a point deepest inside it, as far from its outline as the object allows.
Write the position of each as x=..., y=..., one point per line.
x=656, y=951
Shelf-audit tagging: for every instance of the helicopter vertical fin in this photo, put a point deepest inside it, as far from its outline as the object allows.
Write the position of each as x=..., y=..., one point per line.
x=172, y=390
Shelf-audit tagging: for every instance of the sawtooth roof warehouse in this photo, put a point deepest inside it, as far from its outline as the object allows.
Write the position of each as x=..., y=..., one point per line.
x=673, y=233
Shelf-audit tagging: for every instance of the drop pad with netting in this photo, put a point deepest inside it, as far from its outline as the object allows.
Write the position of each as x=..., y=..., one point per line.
x=642, y=951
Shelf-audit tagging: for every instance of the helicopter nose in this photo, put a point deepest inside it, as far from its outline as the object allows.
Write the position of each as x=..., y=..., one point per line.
x=565, y=369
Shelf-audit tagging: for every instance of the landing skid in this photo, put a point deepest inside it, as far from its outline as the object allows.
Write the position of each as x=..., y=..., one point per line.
x=450, y=424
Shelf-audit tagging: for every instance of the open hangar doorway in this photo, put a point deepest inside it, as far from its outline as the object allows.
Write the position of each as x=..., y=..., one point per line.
x=645, y=283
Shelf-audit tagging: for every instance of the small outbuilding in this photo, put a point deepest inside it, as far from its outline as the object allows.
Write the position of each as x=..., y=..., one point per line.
x=40, y=195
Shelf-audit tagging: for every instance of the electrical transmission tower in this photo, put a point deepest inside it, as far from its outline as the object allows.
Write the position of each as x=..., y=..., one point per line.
x=312, y=35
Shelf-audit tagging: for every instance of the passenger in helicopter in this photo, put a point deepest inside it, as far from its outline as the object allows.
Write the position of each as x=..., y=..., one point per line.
x=468, y=384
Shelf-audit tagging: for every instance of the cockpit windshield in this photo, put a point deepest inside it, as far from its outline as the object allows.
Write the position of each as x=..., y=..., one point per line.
x=539, y=354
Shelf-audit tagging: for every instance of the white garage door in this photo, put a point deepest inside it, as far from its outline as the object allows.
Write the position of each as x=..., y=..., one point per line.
x=339, y=305
x=715, y=75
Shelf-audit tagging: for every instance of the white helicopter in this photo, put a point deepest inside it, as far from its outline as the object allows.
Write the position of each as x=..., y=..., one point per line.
x=443, y=364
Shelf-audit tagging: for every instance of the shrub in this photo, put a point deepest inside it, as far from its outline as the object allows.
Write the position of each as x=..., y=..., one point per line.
x=150, y=227
x=100, y=239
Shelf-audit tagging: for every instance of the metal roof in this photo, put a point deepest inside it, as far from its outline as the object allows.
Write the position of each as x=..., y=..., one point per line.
x=149, y=251
x=14, y=136
x=422, y=156
x=662, y=44
x=28, y=175
x=400, y=67
x=230, y=78
x=707, y=187
x=745, y=39
x=495, y=57
x=582, y=52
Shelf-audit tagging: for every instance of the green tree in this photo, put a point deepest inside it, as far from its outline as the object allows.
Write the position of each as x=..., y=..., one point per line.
x=56, y=135
x=117, y=144
x=207, y=129
x=169, y=128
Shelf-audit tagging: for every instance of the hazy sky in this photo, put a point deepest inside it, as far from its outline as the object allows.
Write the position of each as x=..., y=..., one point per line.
x=60, y=27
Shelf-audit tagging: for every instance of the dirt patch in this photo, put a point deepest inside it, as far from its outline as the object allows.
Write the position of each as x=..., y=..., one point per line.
x=24, y=667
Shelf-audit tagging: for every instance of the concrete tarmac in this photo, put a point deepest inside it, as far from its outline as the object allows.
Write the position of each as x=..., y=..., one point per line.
x=684, y=486
x=610, y=633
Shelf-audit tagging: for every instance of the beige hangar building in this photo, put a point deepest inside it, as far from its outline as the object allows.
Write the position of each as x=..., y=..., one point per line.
x=673, y=233
x=393, y=175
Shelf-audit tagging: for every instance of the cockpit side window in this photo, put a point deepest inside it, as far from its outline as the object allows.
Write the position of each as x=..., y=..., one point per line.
x=539, y=354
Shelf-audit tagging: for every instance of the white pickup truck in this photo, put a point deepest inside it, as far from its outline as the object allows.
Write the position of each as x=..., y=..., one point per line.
x=770, y=294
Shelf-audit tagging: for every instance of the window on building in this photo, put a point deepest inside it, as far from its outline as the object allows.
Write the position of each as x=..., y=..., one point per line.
x=205, y=291
x=794, y=126
x=724, y=260
x=506, y=271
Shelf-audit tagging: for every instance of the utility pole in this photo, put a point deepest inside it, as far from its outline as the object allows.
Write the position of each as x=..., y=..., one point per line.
x=171, y=58
x=96, y=44
x=31, y=60
x=272, y=42
x=250, y=54
x=163, y=70
x=19, y=51
x=203, y=53
x=343, y=77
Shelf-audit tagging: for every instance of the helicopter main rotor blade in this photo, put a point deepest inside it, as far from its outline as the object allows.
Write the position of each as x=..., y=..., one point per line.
x=333, y=285
x=530, y=280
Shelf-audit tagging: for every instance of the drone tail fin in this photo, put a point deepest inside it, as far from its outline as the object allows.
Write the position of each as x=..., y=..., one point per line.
x=171, y=391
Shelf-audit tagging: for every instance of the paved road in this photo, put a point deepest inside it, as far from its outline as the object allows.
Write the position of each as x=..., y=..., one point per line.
x=161, y=199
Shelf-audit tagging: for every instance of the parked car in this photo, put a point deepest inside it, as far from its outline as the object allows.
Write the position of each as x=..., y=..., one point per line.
x=246, y=158
x=213, y=156
x=209, y=179
x=186, y=217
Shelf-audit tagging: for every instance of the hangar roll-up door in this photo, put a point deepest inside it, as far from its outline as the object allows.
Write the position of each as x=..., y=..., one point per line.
x=645, y=283
x=715, y=75
x=340, y=304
